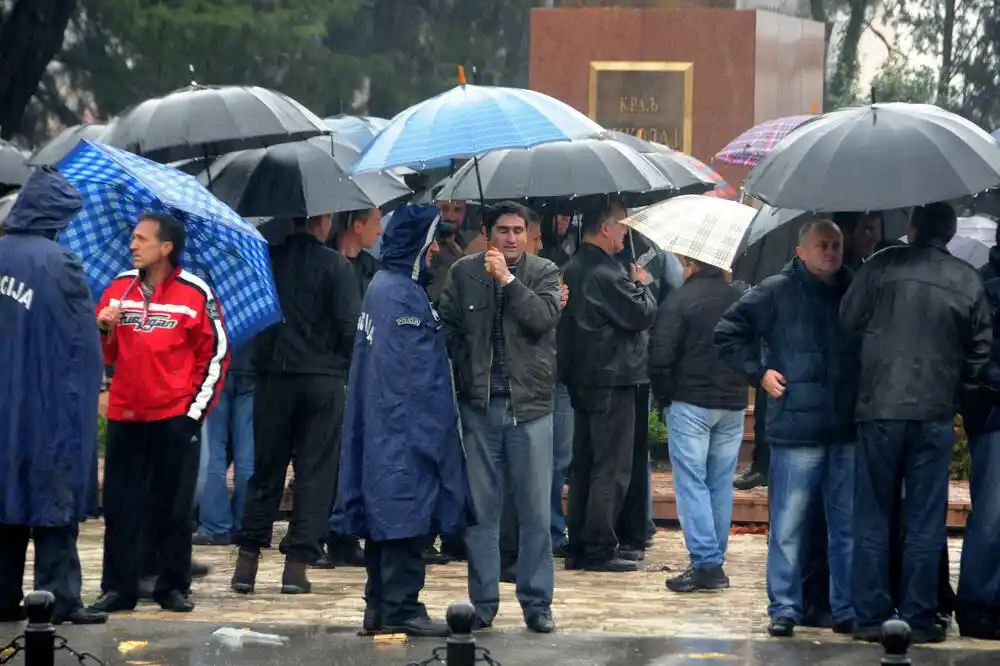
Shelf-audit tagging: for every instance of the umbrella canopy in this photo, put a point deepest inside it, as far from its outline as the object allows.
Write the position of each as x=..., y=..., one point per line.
x=297, y=179
x=201, y=121
x=562, y=169
x=14, y=169
x=877, y=157
x=748, y=148
x=359, y=130
x=472, y=120
x=691, y=174
x=63, y=143
x=6, y=203
x=704, y=228
x=221, y=248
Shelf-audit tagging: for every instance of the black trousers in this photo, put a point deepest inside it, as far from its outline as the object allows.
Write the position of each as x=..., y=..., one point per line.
x=57, y=565
x=633, y=521
x=395, y=578
x=297, y=419
x=603, y=439
x=150, y=473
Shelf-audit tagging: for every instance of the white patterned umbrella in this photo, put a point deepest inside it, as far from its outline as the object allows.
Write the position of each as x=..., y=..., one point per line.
x=708, y=229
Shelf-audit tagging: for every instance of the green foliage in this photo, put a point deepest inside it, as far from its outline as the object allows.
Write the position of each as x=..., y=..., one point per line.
x=102, y=435
x=657, y=435
x=961, y=461
x=895, y=82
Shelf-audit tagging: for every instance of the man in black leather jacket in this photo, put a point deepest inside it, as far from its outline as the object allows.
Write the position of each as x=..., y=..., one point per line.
x=925, y=332
x=603, y=339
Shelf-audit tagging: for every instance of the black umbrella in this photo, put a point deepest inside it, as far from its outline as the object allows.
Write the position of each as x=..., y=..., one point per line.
x=680, y=172
x=61, y=144
x=877, y=157
x=298, y=179
x=561, y=169
x=201, y=121
x=14, y=169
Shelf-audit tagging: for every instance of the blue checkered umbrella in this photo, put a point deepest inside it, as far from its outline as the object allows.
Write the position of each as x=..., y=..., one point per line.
x=221, y=247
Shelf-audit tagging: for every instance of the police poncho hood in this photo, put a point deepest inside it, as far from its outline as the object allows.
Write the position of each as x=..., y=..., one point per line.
x=405, y=241
x=47, y=202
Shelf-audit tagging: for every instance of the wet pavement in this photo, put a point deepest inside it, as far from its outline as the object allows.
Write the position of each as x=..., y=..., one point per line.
x=192, y=644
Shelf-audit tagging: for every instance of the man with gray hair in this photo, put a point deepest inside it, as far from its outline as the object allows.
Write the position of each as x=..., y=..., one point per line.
x=808, y=369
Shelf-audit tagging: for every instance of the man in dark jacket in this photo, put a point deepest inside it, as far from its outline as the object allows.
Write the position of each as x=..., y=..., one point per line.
x=402, y=476
x=301, y=366
x=603, y=339
x=808, y=370
x=500, y=310
x=705, y=402
x=978, y=604
x=923, y=319
x=51, y=360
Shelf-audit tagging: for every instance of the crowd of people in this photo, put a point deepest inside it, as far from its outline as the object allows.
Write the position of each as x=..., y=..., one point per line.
x=451, y=386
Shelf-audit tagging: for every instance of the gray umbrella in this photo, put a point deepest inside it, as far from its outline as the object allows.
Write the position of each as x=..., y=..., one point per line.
x=63, y=143
x=877, y=157
x=678, y=171
x=298, y=179
x=560, y=169
x=14, y=169
x=202, y=121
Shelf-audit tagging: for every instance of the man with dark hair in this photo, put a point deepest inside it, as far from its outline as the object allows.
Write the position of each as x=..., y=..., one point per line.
x=862, y=233
x=923, y=321
x=500, y=310
x=603, y=340
x=301, y=365
x=162, y=329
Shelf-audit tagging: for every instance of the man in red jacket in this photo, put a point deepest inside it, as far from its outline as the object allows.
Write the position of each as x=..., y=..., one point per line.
x=162, y=329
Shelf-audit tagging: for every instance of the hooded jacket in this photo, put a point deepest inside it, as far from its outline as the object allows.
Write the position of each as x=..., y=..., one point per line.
x=51, y=360
x=402, y=467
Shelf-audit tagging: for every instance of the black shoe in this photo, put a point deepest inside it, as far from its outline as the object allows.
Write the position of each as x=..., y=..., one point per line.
x=699, y=580
x=932, y=634
x=199, y=539
x=508, y=570
x=845, y=627
x=983, y=629
x=632, y=554
x=559, y=550
x=420, y=627
x=324, y=563
x=750, y=480
x=199, y=569
x=454, y=549
x=12, y=614
x=147, y=584
x=649, y=541
x=781, y=627
x=432, y=556
x=112, y=602
x=344, y=550
x=293, y=578
x=174, y=601
x=943, y=620
x=869, y=633
x=541, y=623
x=245, y=576
x=372, y=622
x=572, y=562
x=479, y=624
x=615, y=564
x=81, y=616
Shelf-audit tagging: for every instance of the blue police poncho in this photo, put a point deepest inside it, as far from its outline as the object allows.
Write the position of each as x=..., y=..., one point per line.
x=51, y=363
x=402, y=466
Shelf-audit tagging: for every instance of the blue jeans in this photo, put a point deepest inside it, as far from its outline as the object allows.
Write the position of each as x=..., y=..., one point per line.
x=799, y=476
x=704, y=445
x=562, y=456
x=979, y=581
x=233, y=414
x=501, y=453
x=922, y=451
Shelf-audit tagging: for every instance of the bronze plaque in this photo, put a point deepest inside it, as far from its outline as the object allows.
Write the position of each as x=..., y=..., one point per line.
x=653, y=100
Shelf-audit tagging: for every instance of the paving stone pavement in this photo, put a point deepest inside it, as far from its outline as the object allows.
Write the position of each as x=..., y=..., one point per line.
x=617, y=603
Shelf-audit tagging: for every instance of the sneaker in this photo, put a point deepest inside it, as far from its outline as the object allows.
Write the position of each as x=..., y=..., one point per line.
x=750, y=480
x=699, y=580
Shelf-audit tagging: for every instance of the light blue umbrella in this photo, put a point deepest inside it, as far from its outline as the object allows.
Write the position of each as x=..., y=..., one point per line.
x=221, y=247
x=468, y=121
x=359, y=130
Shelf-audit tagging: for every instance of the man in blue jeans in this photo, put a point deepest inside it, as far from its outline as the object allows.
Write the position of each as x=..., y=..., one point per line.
x=705, y=402
x=808, y=370
x=220, y=517
x=500, y=310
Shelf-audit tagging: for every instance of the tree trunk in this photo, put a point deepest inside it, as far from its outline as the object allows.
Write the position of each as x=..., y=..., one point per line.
x=947, y=38
x=30, y=36
x=845, y=76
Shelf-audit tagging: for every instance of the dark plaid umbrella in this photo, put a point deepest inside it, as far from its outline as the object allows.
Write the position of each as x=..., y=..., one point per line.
x=877, y=157
x=14, y=169
x=63, y=143
x=298, y=179
x=748, y=148
x=202, y=121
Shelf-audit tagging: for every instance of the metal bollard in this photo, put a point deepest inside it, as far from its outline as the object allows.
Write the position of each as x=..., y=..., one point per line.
x=461, y=645
x=40, y=634
x=896, y=640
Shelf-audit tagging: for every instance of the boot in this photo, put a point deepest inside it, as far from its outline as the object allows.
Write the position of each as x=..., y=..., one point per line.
x=245, y=576
x=293, y=578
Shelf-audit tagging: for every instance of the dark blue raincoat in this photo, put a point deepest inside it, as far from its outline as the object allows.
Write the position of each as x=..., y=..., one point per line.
x=402, y=466
x=50, y=358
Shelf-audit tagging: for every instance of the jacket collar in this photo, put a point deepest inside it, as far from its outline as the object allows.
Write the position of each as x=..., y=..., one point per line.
x=933, y=242
x=839, y=282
